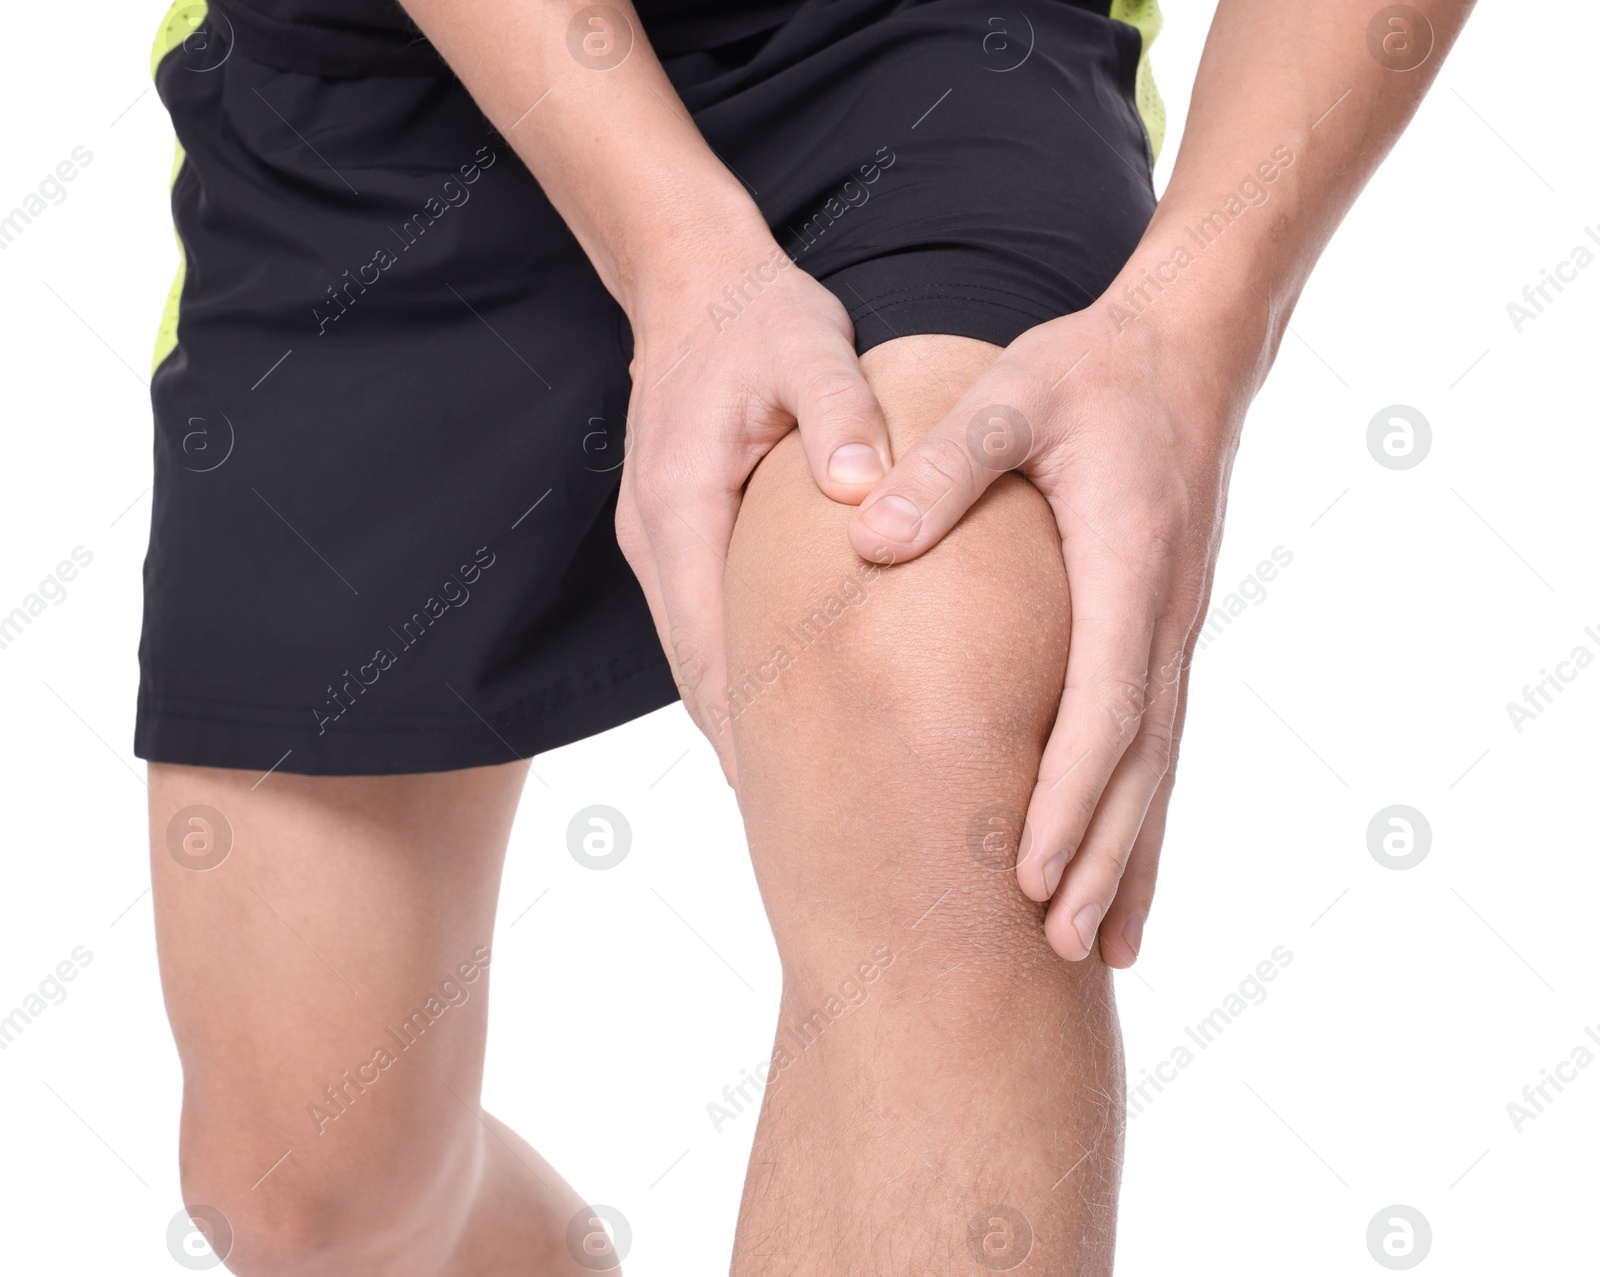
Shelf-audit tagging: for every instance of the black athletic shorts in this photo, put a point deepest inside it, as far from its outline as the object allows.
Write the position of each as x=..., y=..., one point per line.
x=390, y=389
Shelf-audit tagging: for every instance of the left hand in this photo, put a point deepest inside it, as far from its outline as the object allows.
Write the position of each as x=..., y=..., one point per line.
x=1131, y=442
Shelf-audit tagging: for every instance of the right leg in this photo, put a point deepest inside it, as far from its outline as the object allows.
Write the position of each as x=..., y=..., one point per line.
x=327, y=985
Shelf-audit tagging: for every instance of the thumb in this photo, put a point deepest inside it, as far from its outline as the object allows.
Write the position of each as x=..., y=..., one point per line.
x=937, y=481
x=841, y=425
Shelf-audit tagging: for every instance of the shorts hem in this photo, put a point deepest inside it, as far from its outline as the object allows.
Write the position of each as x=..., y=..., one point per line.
x=197, y=732
x=962, y=310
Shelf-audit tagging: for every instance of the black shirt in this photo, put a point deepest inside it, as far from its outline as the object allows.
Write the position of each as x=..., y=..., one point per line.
x=377, y=37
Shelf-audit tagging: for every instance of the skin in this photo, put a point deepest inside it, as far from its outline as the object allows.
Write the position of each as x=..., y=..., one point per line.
x=344, y=900
x=1135, y=422
x=1132, y=424
x=936, y=1065
x=874, y=1153
x=343, y=904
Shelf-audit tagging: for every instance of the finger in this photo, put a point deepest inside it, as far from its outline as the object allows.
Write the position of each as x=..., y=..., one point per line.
x=1122, y=930
x=842, y=429
x=937, y=481
x=1094, y=874
x=1102, y=706
x=688, y=537
x=650, y=583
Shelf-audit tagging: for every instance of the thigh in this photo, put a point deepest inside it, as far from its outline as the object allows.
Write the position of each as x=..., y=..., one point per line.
x=324, y=945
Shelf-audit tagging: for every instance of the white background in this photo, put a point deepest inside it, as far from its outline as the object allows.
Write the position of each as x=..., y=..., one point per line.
x=1418, y=1004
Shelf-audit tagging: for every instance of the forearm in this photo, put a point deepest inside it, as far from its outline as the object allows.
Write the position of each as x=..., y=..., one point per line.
x=612, y=146
x=1291, y=115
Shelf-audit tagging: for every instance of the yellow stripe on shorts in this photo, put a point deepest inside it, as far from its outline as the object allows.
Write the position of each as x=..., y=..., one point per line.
x=183, y=19
x=1145, y=15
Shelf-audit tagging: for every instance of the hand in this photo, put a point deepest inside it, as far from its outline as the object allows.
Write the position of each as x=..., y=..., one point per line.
x=717, y=381
x=1131, y=444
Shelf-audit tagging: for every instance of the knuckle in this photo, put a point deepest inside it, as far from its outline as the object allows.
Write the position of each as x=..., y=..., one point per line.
x=1104, y=862
x=650, y=502
x=837, y=396
x=1100, y=872
x=942, y=464
x=833, y=386
x=1174, y=748
x=1124, y=700
x=1152, y=750
x=1118, y=857
x=688, y=661
x=1154, y=537
x=1080, y=810
x=631, y=537
x=1074, y=808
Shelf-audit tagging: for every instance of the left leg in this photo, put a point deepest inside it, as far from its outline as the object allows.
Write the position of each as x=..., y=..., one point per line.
x=946, y=1093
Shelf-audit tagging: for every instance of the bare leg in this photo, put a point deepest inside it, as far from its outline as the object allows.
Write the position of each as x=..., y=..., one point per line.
x=328, y=988
x=946, y=1093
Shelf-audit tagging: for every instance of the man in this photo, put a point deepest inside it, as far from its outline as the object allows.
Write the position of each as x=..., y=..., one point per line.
x=904, y=347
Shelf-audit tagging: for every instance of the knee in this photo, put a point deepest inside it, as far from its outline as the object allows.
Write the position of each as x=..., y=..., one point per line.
x=272, y=1234
x=960, y=654
x=889, y=723
x=963, y=651
x=889, y=720
x=315, y=1211
x=962, y=647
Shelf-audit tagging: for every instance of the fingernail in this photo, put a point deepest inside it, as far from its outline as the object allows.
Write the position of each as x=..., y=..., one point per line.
x=1133, y=932
x=855, y=463
x=893, y=517
x=1085, y=923
x=1054, y=868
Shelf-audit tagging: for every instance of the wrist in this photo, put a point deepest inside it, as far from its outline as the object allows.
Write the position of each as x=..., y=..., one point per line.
x=1218, y=355
x=1216, y=308
x=681, y=255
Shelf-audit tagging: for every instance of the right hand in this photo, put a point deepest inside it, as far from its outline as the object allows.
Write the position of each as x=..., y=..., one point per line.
x=713, y=391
